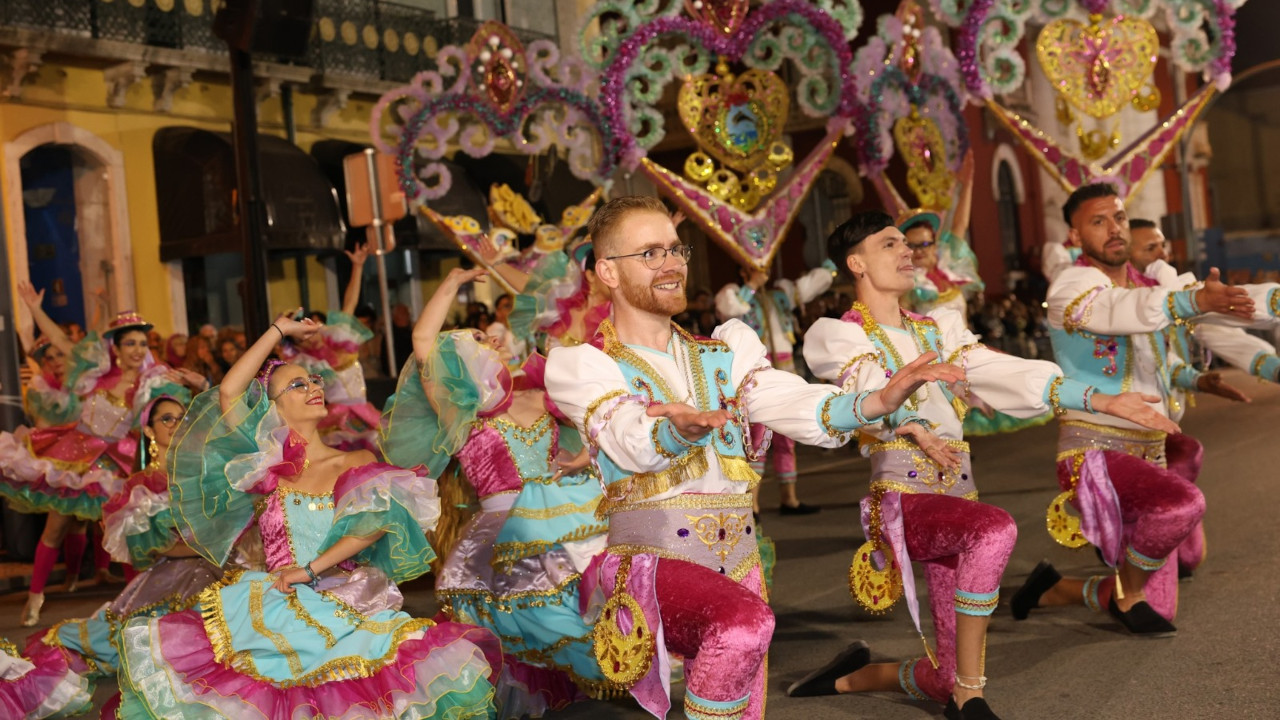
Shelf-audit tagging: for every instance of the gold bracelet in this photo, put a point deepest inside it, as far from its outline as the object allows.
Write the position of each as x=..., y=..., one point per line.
x=1053, y=396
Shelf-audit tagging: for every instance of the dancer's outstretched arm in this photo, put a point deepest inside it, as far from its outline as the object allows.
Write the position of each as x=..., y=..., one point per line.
x=236, y=381
x=437, y=310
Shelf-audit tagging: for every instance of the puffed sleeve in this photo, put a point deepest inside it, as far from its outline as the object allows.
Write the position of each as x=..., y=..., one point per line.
x=1083, y=298
x=734, y=301
x=402, y=504
x=591, y=391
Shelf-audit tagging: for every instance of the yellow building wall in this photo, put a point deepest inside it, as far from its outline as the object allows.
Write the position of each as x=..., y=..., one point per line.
x=77, y=95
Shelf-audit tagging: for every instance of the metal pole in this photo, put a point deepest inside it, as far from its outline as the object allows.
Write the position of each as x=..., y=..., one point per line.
x=1184, y=174
x=376, y=231
x=249, y=194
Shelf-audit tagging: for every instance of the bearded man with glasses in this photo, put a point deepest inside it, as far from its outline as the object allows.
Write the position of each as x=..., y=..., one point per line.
x=667, y=418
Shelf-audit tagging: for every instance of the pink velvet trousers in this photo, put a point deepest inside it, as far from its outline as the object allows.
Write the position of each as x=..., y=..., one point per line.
x=722, y=628
x=1184, y=456
x=964, y=545
x=782, y=452
x=1160, y=509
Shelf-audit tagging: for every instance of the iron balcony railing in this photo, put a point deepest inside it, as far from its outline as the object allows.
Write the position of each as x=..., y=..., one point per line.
x=364, y=38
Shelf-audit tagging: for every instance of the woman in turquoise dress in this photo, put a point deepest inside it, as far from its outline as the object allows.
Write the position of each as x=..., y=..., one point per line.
x=321, y=634
x=515, y=568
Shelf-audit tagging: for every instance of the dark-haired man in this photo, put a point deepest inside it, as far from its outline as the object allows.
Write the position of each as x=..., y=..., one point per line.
x=917, y=509
x=667, y=418
x=1107, y=324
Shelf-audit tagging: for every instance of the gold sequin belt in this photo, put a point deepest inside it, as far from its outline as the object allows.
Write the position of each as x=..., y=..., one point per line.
x=901, y=466
x=1075, y=437
x=714, y=531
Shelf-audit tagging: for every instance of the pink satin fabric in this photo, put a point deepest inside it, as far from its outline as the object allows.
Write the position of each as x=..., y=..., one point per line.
x=1160, y=510
x=963, y=545
x=1185, y=455
x=722, y=628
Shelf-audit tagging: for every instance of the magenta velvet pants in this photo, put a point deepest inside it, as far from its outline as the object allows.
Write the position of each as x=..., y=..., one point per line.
x=964, y=546
x=722, y=628
x=1160, y=510
x=1185, y=455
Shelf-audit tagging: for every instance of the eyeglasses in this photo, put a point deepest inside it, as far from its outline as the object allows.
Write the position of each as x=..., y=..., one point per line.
x=169, y=419
x=920, y=246
x=655, y=258
x=302, y=383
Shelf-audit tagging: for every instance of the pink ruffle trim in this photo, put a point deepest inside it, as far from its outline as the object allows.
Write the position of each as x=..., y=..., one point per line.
x=186, y=647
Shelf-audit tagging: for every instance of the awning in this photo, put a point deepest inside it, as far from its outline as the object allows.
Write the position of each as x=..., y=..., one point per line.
x=195, y=196
x=414, y=231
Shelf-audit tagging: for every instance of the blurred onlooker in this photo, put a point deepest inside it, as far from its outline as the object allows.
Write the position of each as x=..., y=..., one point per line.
x=372, y=350
x=402, y=332
x=478, y=316
x=155, y=342
x=228, y=354
x=175, y=350
x=318, y=316
x=199, y=358
x=75, y=333
x=500, y=329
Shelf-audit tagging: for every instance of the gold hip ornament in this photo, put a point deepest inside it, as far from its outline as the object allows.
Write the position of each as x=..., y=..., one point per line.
x=1064, y=527
x=875, y=590
x=624, y=657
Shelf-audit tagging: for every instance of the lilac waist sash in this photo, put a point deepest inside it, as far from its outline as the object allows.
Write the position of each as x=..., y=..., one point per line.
x=714, y=531
x=901, y=466
x=1076, y=437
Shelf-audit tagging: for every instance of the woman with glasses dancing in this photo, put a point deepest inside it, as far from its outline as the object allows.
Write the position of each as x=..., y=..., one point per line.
x=322, y=633
x=69, y=469
x=139, y=531
x=515, y=569
x=333, y=353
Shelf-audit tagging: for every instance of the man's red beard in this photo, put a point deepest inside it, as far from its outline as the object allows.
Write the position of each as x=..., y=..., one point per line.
x=643, y=296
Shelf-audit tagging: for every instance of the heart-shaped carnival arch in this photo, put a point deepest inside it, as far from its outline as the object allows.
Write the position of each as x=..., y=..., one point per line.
x=733, y=102
x=911, y=98
x=491, y=90
x=1099, y=55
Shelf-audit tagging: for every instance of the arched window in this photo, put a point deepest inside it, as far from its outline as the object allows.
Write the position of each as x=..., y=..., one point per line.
x=1010, y=223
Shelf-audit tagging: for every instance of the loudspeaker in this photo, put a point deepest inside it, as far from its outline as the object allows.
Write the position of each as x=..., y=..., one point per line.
x=271, y=27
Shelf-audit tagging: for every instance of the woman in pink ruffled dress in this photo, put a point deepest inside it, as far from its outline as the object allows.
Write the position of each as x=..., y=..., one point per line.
x=70, y=469
x=321, y=634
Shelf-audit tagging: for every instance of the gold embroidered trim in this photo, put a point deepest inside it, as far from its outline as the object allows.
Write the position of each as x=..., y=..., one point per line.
x=657, y=444
x=693, y=501
x=963, y=352
x=895, y=486
x=1054, y=400
x=737, y=574
x=259, y=623
x=1273, y=302
x=595, y=404
x=1256, y=368
x=1126, y=433
x=1067, y=323
x=507, y=554
x=301, y=613
x=624, y=658
x=852, y=366
x=905, y=444
x=554, y=512
x=826, y=417
x=619, y=351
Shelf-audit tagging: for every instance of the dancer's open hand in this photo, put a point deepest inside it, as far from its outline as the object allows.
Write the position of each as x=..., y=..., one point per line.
x=1136, y=408
x=935, y=447
x=691, y=423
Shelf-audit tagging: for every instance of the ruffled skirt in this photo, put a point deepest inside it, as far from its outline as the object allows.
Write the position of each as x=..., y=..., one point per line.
x=62, y=470
x=344, y=650
x=533, y=608
x=171, y=585
x=41, y=685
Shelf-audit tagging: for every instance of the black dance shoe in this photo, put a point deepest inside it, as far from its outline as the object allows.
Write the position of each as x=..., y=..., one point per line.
x=823, y=680
x=1038, y=583
x=975, y=709
x=798, y=509
x=1142, y=620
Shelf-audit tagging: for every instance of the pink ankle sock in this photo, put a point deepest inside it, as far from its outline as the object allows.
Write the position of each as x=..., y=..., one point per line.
x=73, y=554
x=45, y=558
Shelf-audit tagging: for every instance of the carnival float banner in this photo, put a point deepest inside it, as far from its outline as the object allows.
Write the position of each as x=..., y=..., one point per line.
x=1099, y=55
x=492, y=91
x=911, y=98
x=742, y=185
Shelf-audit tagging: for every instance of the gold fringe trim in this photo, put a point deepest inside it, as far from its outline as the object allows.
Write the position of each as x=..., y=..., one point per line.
x=738, y=469
x=904, y=444
x=640, y=486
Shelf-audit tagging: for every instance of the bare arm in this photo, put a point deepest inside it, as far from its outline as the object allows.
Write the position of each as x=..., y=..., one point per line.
x=351, y=297
x=344, y=549
x=237, y=379
x=960, y=218
x=889, y=197
x=33, y=301
x=437, y=310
